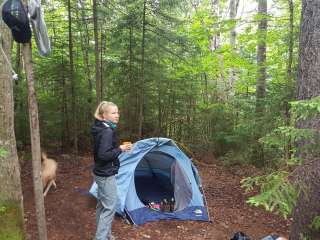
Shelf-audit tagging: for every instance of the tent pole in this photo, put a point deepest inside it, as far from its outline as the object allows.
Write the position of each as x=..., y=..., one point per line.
x=205, y=202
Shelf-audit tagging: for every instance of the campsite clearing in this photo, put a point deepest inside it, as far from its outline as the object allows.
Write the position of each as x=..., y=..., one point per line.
x=72, y=216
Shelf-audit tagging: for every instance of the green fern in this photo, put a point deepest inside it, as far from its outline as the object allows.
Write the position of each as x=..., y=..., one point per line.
x=277, y=194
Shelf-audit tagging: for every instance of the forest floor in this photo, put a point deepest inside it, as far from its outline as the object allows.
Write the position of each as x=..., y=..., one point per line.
x=72, y=216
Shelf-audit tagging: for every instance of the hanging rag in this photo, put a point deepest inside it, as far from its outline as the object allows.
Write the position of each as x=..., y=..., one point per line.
x=39, y=27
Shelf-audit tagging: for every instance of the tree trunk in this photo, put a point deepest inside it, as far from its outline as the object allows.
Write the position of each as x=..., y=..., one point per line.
x=85, y=37
x=261, y=59
x=216, y=11
x=65, y=136
x=96, y=52
x=232, y=74
x=132, y=91
x=261, y=78
x=103, y=50
x=290, y=42
x=308, y=79
x=10, y=190
x=290, y=83
x=35, y=143
x=141, y=98
x=72, y=83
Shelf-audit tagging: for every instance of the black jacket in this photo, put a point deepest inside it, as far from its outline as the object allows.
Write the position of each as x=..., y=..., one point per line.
x=106, y=149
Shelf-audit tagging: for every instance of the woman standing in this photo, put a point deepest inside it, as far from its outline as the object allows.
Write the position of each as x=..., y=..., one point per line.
x=106, y=164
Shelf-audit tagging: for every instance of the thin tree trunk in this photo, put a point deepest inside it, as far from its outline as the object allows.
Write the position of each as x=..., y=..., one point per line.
x=216, y=12
x=103, y=49
x=72, y=83
x=233, y=34
x=290, y=82
x=261, y=59
x=141, y=99
x=206, y=92
x=64, y=112
x=131, y=110
x=84, y=43
x=290, y=43
x=35, y=143
x=261, y=76
x=96, y=52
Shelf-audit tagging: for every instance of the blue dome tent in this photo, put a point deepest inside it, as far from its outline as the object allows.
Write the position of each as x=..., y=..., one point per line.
x=156, y=169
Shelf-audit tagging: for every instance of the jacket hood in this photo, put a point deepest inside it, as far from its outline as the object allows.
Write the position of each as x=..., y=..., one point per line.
x=98, y=127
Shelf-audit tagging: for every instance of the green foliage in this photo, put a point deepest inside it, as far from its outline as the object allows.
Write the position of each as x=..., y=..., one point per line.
x=315, y=225
x=282, y=141
x=306, y=109
x=277, y=194
x=187, y=92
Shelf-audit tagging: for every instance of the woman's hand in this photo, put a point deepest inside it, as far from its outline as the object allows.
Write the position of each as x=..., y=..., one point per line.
x=126, y=147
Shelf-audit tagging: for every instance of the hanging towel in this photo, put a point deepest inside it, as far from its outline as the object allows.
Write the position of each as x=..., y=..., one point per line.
x=39, y=27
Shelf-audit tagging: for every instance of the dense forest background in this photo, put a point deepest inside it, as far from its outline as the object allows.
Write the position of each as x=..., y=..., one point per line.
x=183, y=70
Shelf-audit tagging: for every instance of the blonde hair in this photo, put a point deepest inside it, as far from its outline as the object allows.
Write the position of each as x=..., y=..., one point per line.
x=102, y=108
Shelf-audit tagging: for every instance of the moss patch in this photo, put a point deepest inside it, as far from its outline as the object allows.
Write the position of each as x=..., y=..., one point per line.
x=10, y=222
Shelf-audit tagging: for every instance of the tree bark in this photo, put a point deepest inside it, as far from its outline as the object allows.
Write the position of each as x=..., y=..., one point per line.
x=261, y=58
x=290, y=42
x=232, y=73
x=103, y=50
x=85, y=37
x=290, y=83
x=261, y=78
x=141, y=95
x=10, y=190
x=65, y=135
x=221, y=86
x=132, y=91
x=35, y=143
x=72, y=83
x=96, y=53
x=308, y=81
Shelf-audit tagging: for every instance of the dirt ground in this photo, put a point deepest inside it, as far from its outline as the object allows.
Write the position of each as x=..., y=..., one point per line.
x=72, y=216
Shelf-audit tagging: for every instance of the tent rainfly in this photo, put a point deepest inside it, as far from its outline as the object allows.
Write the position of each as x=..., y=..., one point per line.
x=156, y=169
